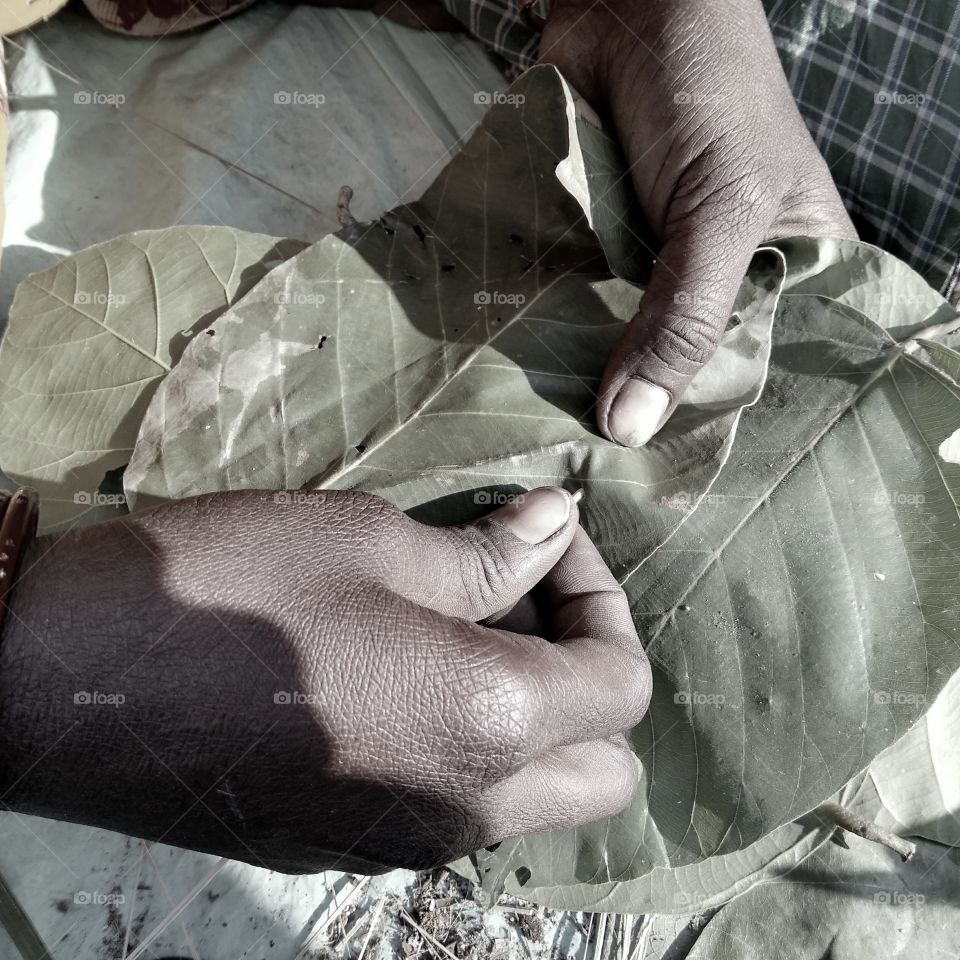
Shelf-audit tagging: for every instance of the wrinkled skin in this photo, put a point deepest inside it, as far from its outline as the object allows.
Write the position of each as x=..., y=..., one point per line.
x=720, y=160
x=306, y=686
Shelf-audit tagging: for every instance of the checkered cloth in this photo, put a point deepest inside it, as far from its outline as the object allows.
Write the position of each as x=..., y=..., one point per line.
x=877, y=81
x=878, y=84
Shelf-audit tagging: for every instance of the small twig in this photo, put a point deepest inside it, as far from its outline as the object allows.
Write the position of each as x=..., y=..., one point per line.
x=373, y=926
x=353, y=891
x=852, y=823
x=646, y=925
x=601, y=937
x=344, y=217
x=433, y=941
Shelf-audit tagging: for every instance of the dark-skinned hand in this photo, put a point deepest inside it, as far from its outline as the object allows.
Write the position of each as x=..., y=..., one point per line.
x=301, y=681
x=721, y=161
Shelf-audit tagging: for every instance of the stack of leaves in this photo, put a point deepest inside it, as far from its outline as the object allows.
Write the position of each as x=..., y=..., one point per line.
x=790, y=542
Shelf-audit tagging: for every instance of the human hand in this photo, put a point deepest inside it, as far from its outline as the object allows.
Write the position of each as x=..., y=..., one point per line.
x=298, y=681
x=721, y=161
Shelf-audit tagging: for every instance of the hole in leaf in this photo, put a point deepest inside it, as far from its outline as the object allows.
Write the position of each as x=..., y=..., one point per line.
x=516, y=238
x=323, y=340
x=210, y=333
x=418, y=230
x=447, y=267
x=360, y=447
x=523, y=876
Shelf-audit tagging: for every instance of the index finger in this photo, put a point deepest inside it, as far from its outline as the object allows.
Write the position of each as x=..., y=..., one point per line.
x=595, y=680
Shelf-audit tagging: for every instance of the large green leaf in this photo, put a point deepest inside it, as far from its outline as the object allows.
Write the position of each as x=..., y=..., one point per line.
x=454, y=345
x=88, y=341
x=856, y=904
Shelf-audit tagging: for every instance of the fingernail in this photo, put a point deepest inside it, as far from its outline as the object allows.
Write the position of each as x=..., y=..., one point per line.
x=536, y=515
x=636, y=412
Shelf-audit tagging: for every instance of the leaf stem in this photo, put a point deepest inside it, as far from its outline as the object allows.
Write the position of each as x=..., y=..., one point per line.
x=852, y=823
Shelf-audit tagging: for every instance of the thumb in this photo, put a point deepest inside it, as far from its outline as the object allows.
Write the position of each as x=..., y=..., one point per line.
x=476, y=569
x=682, y=315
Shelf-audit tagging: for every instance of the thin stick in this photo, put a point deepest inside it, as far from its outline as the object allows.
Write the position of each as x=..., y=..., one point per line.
x=849, y=821
x=644, y=941
x=357, y=924
x=373, y=926
x=436, y=944
x=354, y=890
x=598, y=942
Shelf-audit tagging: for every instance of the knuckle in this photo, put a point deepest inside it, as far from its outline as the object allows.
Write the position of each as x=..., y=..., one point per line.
x=481, y=566
x=501, y=716
x=689, y=339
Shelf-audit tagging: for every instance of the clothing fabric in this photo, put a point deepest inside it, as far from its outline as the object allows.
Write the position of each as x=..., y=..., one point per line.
x=877, y=82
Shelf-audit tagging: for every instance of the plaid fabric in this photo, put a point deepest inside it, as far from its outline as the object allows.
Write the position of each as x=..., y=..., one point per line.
x=878, y=83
